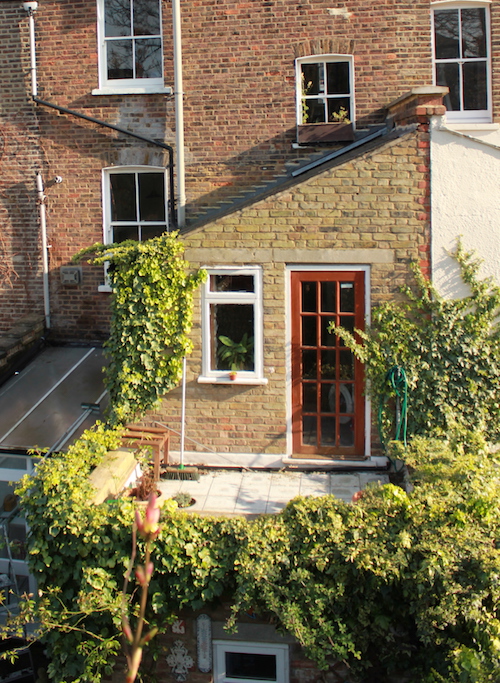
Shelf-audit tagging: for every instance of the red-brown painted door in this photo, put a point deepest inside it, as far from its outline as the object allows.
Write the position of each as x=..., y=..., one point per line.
x=328, y=411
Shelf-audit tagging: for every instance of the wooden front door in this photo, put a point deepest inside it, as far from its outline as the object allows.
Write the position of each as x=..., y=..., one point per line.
x=328, y=412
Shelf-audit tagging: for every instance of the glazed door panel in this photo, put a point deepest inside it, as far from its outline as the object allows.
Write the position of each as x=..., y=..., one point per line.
x=328, y=411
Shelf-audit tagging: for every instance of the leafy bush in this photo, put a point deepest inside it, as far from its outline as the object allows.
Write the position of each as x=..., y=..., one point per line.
x=449, y=350
x=395, y=583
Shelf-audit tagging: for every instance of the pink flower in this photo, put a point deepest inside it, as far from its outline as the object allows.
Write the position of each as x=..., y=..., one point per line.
x=149, y=527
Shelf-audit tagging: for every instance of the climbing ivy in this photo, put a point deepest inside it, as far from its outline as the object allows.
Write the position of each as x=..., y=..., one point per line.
x=398, y=583
x=151, y=315
x=448, y=348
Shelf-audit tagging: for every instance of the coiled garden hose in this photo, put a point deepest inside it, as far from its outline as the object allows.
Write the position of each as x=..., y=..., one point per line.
x=397, y=386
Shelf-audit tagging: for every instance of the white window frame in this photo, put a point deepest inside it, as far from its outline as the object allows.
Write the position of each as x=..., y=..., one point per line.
x=124, y=86
x=209, y=375
x=221, y=647
x=325, y=58
x=466, y=116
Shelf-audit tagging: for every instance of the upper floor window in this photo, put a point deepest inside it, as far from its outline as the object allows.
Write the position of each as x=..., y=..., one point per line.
x=135, y=203
x=462, y=59
x=130, y=44
x=325, y=92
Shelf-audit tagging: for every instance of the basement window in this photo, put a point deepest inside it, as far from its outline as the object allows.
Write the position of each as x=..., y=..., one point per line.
x=236, y=662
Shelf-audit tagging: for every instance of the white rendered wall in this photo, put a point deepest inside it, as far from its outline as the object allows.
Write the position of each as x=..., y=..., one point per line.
x=465, y=200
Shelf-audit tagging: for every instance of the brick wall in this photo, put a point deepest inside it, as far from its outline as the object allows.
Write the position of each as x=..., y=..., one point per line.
x=372, y=210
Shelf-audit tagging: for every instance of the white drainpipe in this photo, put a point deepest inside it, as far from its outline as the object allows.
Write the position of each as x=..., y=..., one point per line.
x=179, y=114
x=31, y=7
x=45, y=256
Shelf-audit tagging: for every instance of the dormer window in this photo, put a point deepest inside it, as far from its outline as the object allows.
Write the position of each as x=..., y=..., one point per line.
x=462, y=60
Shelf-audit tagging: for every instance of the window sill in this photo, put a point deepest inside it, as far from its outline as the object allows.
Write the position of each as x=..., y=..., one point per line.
x=460, y=127
x=105, y=288
x=249, y=381
x=128, y=90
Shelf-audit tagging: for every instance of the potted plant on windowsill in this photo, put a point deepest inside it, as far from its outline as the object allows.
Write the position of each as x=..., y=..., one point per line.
x=338, y=129
x=236, y=354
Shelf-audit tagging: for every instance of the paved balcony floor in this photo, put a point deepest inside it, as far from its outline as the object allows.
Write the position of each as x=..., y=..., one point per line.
x=249, y=493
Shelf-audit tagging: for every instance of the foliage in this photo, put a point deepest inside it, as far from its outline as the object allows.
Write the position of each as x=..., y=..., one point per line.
x=151, y=318
x=235, y=354
x=449, y=350
x=397, y=582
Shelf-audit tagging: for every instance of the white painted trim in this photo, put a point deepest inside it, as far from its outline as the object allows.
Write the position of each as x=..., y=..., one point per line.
x=221, y=647
x=139, y=90
x=319, y=268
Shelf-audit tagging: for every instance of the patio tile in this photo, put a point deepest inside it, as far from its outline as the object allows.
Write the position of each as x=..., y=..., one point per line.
x=369, y=477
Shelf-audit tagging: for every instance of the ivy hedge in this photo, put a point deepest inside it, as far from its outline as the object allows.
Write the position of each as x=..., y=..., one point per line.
x=398, y=582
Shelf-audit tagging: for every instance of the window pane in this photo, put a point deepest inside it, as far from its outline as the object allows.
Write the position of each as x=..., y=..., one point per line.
x=232, y=283
x=123, y=206
x=232, y=327
x=309, y=331
x=328, y=400
x=315, y=112
x=252, y=666
x=328, y=302
x=148, y=58
x=474, y=32
x=309, y=297
x=117, y=18
x=327, y=431
x=150, y=231
x=448, y=74
x=313, y=79
x=475, y=88
x=119, y=59
x=338, y=78
x=347, y=297
x=309, y=397
x=125, y=232
x=146, y=18
x=151, y=196
x=339, y=108
x=446, y=34
x=309, y=430
x=328, y=364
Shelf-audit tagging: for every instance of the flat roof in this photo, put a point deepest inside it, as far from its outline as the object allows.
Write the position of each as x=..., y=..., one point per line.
x=53, y=399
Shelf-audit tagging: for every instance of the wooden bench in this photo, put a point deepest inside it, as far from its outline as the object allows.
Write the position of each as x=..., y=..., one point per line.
x=156, y=437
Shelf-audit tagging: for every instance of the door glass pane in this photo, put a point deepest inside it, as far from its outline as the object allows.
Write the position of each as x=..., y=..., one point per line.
x=146, y=18
x=151, y=196
x=446, y=34
x=232, y=327
x=148, y=58
x=119, y=59
x=327, y=338
x=309, y=397
x=328, y=364
x=475, y=88
x=346, y=398
x=117, y=18
x=347, y=322
x=328, y=299
x=309, y=431
x=123, y=206
x=309, y=364
x=338, y=78
x=346, y=365
x=448, y=75
x=328, y=400
x=328, y=431
x=346, y=432
x=347, y=297
x=309, y=331
x=473, y=32
x=309, y=297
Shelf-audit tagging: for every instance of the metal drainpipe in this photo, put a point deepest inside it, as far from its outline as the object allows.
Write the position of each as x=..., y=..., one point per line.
x=31, y=7
x=45, y=256
x=179, y=114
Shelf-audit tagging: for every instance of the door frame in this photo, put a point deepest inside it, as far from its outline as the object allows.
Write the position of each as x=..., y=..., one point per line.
x=315, y=268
